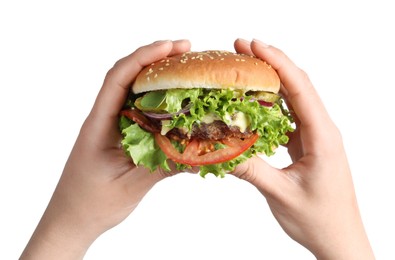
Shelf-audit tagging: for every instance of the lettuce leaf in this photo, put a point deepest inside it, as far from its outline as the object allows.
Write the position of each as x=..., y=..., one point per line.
x=141, y=147
x=175, y=98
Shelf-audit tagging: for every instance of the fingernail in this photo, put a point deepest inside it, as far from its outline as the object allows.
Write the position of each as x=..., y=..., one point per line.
x=260, y=43
x=181, y=40
x=243, y=41
x=160, y=42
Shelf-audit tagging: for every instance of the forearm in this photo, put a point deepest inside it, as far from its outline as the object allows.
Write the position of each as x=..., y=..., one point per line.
x=42, y=247
x=359, y=250
x=52, y=241
x=59, y=236
x=348, y=243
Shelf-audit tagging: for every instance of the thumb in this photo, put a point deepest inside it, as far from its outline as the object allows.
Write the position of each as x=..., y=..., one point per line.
x=267, y=179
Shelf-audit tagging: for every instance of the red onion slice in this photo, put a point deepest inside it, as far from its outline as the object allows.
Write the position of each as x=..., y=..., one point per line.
x=261, y=102
x=164, y=116
x=264, y=103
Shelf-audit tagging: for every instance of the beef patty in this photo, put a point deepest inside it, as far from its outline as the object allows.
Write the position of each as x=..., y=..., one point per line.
x=216, y=130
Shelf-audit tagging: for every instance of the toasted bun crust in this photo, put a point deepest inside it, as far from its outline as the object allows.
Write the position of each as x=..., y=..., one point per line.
x=208, y=69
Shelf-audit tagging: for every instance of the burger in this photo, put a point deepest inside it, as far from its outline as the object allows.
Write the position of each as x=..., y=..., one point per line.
x=210, y=109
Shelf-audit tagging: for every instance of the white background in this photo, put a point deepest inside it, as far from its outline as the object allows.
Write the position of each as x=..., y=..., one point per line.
x=53, y=58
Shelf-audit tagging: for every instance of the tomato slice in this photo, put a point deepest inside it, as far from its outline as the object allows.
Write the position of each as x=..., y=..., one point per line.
x=193, y=156
x=140, y=119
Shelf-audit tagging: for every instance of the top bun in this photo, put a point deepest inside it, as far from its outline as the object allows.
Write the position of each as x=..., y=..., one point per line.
x=208, y=69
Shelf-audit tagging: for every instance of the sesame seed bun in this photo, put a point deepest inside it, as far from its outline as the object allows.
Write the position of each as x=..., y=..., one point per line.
x=208, y=69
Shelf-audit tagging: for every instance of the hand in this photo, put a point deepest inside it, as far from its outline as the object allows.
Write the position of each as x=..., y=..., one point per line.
x=313, y=199
x=99, y=186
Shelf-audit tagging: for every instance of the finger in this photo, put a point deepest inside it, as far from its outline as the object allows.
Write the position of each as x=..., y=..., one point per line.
x=102, y=121
x=180, y=46
x=243, y=46
x=173, y=170
x=267, y=179
x=298, y=89
x=117, y=82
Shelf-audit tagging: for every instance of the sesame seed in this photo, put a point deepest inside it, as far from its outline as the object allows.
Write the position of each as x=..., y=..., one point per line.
x=167, y=64
x=156, y=75
x=256, y=63
x=222, y=58
x=237, y=59
x=161, y=68
x=148, y=79
x=149, y=71
x=243, y=60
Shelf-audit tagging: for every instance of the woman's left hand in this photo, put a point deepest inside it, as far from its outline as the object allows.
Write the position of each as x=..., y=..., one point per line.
x=99, y=186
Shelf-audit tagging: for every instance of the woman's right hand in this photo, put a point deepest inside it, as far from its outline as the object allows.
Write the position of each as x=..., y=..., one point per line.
x=313, y=199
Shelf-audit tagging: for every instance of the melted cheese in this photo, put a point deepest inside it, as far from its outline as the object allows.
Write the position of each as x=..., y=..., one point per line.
x=209, y=118
x=238, y=119
x=165, y=127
